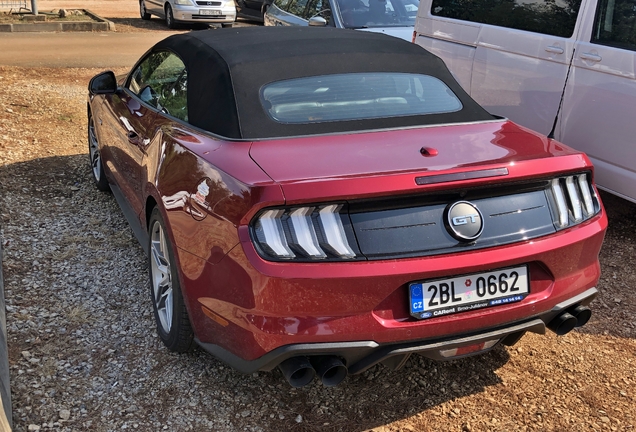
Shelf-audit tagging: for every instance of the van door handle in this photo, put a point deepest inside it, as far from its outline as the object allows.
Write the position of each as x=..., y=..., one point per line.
x=554, y=49
x=591, y=57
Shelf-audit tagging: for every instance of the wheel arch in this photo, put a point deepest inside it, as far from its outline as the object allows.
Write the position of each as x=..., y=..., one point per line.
x=266, y=5
x=151, y=203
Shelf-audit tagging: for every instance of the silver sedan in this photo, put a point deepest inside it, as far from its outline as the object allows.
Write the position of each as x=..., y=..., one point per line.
x=393, y=17
x=189, y=11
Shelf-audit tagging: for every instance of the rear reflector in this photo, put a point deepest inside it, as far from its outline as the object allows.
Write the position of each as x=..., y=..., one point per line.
x=468, y=349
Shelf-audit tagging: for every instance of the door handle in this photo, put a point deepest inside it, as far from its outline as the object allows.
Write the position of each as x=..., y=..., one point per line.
x=554, y=49
x=591, y=57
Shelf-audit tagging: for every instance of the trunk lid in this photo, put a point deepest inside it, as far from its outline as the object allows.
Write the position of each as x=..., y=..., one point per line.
x=399, y=151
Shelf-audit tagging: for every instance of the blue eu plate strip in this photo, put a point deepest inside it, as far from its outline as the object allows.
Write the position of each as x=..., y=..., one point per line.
x=417, y=298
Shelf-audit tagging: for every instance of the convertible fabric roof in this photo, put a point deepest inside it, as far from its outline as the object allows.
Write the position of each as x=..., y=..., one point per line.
x=228, y=67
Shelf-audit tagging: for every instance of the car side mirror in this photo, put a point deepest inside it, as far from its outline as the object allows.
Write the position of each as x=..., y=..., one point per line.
x=104, y=83
x=317, y=21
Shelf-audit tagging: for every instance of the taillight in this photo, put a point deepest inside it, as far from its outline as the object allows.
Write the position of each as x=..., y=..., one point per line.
x=574, y=200
x=302, y=233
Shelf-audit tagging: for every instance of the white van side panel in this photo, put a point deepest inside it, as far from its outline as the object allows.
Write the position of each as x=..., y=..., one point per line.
x=452, y=30
x=521, y=75
x=452, y=40
x=616, y=180
x=599, y=116
x=458, y=57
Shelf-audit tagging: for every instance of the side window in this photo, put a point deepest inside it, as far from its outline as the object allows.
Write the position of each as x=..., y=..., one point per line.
x=297, y=7
x=161, y=80
x=615, y=24
x=317, y=8
x=378, y=13
x=556, y=18
x=281, y=4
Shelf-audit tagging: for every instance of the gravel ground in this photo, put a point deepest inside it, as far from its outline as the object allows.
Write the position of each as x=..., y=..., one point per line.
x=84, y=354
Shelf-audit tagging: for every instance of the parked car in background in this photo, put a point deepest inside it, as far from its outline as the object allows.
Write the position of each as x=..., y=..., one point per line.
x=393, y=17
x=565, y=69
x=323, y=200
x=252, y=9
x=177, y=12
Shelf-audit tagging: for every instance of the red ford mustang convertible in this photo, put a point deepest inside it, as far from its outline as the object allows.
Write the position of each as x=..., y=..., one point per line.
x=323, y=200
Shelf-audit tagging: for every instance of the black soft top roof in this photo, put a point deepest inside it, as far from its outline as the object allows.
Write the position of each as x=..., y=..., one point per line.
x=228, y=67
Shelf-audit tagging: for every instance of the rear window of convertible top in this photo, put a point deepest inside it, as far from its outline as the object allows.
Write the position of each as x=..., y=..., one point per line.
x=356, y=96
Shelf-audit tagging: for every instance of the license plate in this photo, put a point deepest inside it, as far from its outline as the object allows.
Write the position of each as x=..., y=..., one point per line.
x=209, y=12
x=440, y=297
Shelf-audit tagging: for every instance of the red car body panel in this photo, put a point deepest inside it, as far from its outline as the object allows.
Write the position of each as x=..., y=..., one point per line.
x=372, y=164
x=250, y=306
x=368, y=300
x=391, y=152
x=210, y=190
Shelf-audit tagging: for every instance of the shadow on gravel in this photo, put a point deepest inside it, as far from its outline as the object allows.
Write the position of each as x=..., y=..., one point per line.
x=45, y=177
x=265, y=402
x=158, y=24
x=378, y=397
x=153, y=24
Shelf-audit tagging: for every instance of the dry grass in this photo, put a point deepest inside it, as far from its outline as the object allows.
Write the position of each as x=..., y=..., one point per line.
x=79, y=315
x=15, y=18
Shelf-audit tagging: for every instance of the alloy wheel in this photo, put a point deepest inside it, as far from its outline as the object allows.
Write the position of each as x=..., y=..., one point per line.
x=161, y=277
x=93, y=147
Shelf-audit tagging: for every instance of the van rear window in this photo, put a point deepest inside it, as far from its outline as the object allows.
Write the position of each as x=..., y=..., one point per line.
x=357, y=96
x=556, y=18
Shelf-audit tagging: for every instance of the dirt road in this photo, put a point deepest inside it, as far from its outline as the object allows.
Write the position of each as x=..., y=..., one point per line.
x=106, y=9
x=77, y=50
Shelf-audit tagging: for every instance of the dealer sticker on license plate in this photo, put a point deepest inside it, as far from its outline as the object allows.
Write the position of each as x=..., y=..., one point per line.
x=209, y=12
x=469, y=292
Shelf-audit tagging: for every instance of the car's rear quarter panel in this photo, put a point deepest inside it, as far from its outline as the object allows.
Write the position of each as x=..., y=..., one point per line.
x=202, y=234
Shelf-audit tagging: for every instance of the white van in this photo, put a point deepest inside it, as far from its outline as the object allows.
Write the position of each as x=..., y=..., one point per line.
x=565, y=68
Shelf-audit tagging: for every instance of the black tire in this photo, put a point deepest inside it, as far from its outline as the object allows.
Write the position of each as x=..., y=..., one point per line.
x=171, y=315
x=170, y=22
x=227, y=25
x=142, y=11
x=94, y=157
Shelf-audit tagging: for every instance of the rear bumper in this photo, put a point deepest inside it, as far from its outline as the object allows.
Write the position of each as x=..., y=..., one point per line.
x=361, y=355
x=192, y=14
x=254, y=314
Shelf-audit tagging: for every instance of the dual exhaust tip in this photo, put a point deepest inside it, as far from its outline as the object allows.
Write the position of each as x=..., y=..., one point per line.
x=576, y=316
x=300, y=371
